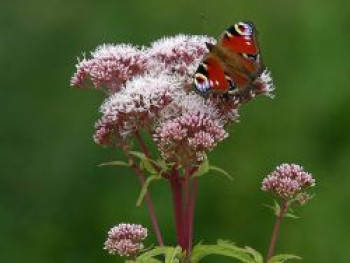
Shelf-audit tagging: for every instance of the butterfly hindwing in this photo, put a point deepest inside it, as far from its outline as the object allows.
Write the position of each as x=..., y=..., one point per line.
x=210, y=77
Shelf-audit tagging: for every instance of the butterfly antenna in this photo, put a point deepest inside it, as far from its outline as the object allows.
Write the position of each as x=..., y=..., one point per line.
x=204, y=24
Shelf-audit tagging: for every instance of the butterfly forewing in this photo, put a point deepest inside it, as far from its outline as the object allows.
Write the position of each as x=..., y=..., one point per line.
x=234, y=63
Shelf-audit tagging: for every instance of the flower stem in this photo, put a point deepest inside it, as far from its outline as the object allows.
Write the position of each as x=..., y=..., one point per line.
x=152, y=213
x=191, y=213
x=276, y=230
x=176, y=187
x=186, y=209
x=148, y=198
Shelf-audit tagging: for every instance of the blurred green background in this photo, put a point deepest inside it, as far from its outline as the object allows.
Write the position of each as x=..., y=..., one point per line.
x=56, y=205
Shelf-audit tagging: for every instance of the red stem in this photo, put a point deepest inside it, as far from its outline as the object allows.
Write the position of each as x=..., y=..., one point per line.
x=148, y=198
x=152, y=213
x=276, y=230
x=186, y=219
x=191, y=213
x=176, y=187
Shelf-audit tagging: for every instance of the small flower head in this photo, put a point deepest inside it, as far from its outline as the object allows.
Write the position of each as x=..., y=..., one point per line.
x=110, y=67
x=264, y=84
x=180, y=54
x=134, y=107
x=289, y=181
x=125, y=240
x=187, y=138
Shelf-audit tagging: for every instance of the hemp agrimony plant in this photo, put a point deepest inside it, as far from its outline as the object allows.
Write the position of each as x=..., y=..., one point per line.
x=149, y=93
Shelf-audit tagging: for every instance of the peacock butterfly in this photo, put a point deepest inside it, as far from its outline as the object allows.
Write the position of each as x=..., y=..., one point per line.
x=233, y=65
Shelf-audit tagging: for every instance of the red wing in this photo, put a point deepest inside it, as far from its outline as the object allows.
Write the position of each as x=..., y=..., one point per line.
x=241, y=38
x=210, y=76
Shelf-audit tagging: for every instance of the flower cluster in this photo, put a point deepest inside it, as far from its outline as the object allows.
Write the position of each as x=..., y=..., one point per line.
x=133, y=108
x=125, y=240
x=289, y=181
x=180, y=54
x=188, y=137
x=150, y=88
x=110, y=67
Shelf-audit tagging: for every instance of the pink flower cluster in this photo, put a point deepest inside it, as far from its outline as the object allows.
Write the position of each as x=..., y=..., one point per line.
x=151, y=88
x=289, y=181
x=125, y=240
x=110, y=67
x=180, y=54
x=188, y=137
x=132, y=108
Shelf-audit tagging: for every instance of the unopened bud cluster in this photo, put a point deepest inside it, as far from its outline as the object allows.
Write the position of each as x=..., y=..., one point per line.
x=126, y=240
x=289, y=181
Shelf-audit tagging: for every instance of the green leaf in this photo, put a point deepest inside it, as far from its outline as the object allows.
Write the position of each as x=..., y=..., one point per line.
x=150, y=260
x=144, y=188
x=203, y=168
x=146, y=162
x=171, y=254
x=174, y=255
x=225, y=248
x=282, y=258
x=139, y=155
x=257, y=256
x=115, y=163
x=290, y=215
x=275, y=208
x=222, y=171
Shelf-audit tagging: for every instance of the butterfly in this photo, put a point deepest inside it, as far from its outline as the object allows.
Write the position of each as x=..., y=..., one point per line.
x=233, y=65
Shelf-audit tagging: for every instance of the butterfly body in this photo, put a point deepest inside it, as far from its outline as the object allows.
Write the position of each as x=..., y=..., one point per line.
x=233, y=64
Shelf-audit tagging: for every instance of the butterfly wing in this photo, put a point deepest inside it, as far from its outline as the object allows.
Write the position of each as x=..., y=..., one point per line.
x=240, y=41
x=210, y=77
x=233, y=64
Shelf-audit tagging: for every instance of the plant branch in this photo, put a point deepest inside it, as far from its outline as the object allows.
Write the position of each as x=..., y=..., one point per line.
x=176, y=187
x=191, y=213
x=276, y=230
x=148, y=199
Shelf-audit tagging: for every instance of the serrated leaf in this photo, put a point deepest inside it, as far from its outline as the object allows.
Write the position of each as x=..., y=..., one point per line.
x=283, y=258
x=222, y=171
x=115, y=163
x=144, y=188
x=223, y=248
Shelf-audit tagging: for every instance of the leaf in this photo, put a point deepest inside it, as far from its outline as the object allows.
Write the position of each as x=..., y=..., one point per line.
x=275, y=208
x=203, y=168
x=144, y=188
x=172, y=255
x=115, y=163
x=139, y=155
x=257, y=256
x=145, y=162
x=282, y=258
x=290, y=215
x=222, y=171
x=224, y=248
x=149, y=260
